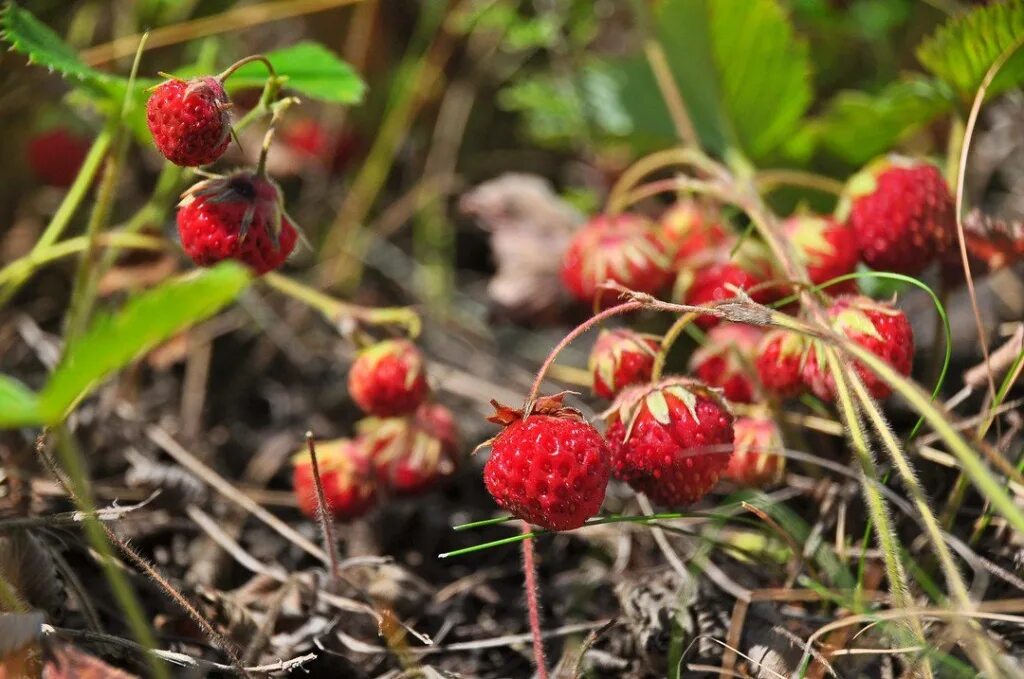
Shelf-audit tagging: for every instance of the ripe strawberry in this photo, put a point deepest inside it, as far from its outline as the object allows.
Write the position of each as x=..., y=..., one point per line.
x=670, y=440
x=346, y=477
x=755, y=457
x=692, y=229
x=56, y=155
x=189, y=120
x=621, y=358
x=387, y=379
x=711, y=282
x=550, y=467
x=780, y=362
x=880, y=328
x=412, y=454
x=726, y=359
x=901, y=212
x=827, y=248
x=240, y=217
x=624, y=249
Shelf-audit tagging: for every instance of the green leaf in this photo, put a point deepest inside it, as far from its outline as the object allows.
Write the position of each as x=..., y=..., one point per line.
x=115, y=340
x=962, y=51
x=857, y=126
x=742, y=71
x=30, y=37
x=311, y=70
x=18, y=405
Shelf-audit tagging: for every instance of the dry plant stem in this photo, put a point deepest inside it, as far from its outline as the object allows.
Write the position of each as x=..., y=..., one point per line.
x=231, y=21
x=323, y=512
x=533, y=603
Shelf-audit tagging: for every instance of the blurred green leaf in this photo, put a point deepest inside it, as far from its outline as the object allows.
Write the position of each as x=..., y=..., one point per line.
x=312, y=70
x=962, y=51
x=115, y=340
x=28, y=36
x=857, y=126
x=18, y=405
x=740, y=67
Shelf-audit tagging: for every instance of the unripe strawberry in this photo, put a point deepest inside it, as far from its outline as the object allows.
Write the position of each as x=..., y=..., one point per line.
x=56, y=156
x=779, y=359
x=412, y=454
x=880, y=328
x=549, y=468
x=901, y=212
x=725, y=360
x=670, y=440
x=756, y=461
x=827, y=248
x=346, y=477
x=189, y=120
x=620, y=358
x=238, y=217
x=624, y=249
x=388, y=379
x=692, y=229
x=748, y=270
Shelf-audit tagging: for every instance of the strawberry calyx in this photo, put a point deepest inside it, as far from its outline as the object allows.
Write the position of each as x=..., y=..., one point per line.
x=259, y=194
x=543, y=405
x=633, y=400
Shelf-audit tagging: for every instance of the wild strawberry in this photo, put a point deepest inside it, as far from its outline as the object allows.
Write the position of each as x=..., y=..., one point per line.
x=621, y=358
x=828, y=249
x=346, y=477
x=56, y=155
x=239, y=217
x=670, y=440
x=725, y=360
x=550, y=467
x=780, y=362
x=189, y=120
x=414, y=453
x=624, y=249
x=749, y=269
x=388, y=379
x=880, y=328
x=901, y=212
x=309, y=139
x=755, y=458
x=692, y=229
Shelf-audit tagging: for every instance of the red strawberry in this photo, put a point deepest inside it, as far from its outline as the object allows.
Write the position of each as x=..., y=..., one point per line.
x=670, y=440
x=388, y=379
x=346, y=477
x=414, y=453
x=780, y=362
x=709, y=283
x=881, y=328
x=901, y=212
x=621, y=358
x=692, y=229
x=236, y=217
x=189, y=120
x=549, y=468
x=308, y=138
x=726, y=360
x=624, y=249
x=56, y=155
x=827, y=248
x=755, y=458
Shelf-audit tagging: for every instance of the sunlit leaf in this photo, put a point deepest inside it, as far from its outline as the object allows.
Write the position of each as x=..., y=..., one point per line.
x=18, y=405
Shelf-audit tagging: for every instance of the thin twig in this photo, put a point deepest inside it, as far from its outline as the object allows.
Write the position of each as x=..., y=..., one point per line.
x=323, y=512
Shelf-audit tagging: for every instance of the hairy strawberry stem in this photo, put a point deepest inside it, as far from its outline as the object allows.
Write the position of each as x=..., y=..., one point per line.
x=533, y=602
x=324, y=514
x=227, y=72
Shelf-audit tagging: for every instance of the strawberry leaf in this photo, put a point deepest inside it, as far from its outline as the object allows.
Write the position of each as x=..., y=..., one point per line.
x=115, y=340
x=311, y=70
x=18, y=405
x=30, y=37
x=962, y=51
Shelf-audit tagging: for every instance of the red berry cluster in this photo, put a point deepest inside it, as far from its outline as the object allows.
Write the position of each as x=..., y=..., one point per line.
x=673, y=437
x=406, y=445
